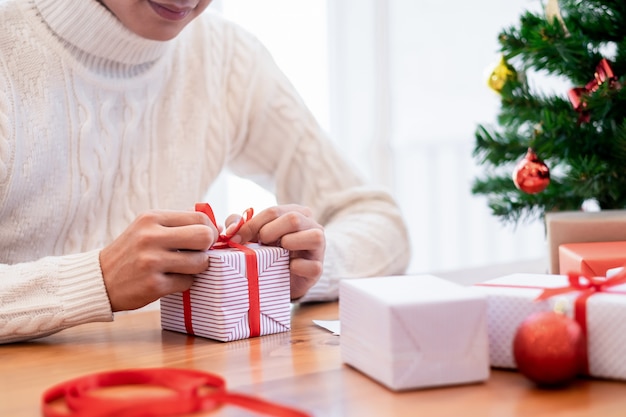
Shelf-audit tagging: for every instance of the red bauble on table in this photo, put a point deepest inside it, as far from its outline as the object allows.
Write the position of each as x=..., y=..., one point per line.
x=531, y=174
x=549, y=348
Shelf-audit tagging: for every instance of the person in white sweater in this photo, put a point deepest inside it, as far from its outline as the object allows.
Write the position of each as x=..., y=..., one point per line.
x=116, y=117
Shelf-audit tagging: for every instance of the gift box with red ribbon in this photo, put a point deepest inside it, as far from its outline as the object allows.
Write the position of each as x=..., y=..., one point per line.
x=245, y=292
x=598, y=304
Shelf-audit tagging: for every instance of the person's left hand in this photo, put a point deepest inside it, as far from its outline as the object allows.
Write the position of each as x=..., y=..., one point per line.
x=292, y=227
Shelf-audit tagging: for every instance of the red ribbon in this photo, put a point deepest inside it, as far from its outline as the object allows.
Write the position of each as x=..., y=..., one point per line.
x=587, y=286
x=252, y=272
x=603, y=74
x=192, y=391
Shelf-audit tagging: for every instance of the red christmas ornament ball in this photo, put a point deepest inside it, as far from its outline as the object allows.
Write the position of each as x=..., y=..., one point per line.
x=531, y=174
x=549, y=348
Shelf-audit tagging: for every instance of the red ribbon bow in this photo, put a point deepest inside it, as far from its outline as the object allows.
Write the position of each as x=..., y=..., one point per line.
x=587, y=286
x=193, y=391
x=603, y=74
x=252, y=272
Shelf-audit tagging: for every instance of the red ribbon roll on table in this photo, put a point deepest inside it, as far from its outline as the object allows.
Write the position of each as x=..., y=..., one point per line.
x=191, y=391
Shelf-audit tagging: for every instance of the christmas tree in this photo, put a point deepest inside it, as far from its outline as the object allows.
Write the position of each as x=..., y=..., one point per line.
x=564, y=148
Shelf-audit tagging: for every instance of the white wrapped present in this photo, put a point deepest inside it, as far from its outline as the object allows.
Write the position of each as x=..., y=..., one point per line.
x=411, y=332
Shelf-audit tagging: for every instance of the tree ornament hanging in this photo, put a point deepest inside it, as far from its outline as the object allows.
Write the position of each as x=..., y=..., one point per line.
x=501, y=74
x=577, y=95
x=531, y=174
x=549, y=348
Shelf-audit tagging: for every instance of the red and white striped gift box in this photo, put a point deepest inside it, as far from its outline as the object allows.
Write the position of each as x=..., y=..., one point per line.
x=221, y=303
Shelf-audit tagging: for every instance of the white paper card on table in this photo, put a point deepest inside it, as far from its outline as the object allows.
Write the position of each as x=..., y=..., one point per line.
x=414, y=331
x=332, y=326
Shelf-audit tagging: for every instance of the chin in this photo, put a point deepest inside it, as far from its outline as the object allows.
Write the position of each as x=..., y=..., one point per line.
x=159, y=35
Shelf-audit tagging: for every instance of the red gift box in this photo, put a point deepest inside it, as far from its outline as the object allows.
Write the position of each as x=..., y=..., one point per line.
x=581, y=226
x=592, y=259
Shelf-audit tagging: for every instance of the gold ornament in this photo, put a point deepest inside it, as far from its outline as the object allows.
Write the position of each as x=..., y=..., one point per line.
x=500, y=75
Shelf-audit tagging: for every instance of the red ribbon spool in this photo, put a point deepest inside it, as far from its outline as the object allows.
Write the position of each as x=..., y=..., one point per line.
x=191, y=392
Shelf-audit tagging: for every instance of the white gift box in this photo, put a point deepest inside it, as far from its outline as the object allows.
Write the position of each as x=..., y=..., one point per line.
x=511, y=299
x=417, y=331
x=218, y=305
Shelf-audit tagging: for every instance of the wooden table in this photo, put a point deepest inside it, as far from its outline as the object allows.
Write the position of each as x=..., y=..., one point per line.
x=301, y=368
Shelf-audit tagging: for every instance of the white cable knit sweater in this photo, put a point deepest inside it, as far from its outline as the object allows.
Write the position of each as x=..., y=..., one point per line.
x=98, y=125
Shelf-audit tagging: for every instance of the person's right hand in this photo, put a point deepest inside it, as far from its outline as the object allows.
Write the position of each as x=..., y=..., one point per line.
x=158, y=254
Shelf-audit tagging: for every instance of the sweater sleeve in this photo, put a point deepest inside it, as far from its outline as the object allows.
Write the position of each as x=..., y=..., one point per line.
x=48, y=295
x=284, y=149
x=42, y=297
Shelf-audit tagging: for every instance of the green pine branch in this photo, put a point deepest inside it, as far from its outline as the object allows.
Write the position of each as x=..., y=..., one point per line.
x=586, y=149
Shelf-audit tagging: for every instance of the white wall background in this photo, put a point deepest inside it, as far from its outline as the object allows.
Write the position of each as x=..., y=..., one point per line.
x=401, y=86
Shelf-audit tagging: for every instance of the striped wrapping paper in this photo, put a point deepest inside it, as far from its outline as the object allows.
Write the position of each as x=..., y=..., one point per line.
x=219, y=299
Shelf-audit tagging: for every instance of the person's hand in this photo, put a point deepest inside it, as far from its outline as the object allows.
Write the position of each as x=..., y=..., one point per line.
x=158, y=254
x=293, y=228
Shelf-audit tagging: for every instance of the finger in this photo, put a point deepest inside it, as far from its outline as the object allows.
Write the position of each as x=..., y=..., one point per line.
x=297, y=229
x=171, y=218
x=150, y=290
x=306, y=268
x=175, y=230
x=194, y=237
x=305, y=240
x=174, y=262
x=304, y=275
x=172, y=283
x=185, y=262
x=264, y=228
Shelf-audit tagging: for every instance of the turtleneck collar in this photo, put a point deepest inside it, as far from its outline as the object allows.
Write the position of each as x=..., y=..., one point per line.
x=89, y=27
